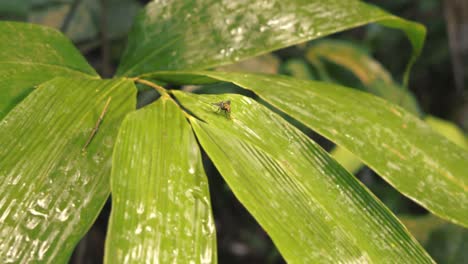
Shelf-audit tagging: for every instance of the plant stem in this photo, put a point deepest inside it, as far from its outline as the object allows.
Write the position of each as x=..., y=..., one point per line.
x=163, y=92
x=158, y=88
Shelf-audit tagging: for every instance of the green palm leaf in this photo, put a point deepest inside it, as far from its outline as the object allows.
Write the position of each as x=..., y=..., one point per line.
x=53, y=189
x=161, y=209
x=32, y=54
x=309, y=205
x=401, y=148
x=177, y=35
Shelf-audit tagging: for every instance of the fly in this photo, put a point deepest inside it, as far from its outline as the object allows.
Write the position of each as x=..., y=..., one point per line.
x=224, y=106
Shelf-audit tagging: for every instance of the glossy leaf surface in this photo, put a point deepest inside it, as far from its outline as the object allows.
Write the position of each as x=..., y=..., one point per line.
x=175, y=35
x=401, y=148
x=32, y=54
x=314, y=211
x=52, y=190
x=374, y=77
x=161, y=209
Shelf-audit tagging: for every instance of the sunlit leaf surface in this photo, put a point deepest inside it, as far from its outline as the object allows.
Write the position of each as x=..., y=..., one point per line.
x=314, y=211
x=161, y=209
x=207, y=33
x=401, y=148
x=374, y=77
x=52, y=190
x=30, y=55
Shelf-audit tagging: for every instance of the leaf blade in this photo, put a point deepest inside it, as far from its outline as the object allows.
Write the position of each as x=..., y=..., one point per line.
x=215, y=33
x=32, y=54
x=52, y=191
x=391, y=141
x=161, y=203
x=313, y=210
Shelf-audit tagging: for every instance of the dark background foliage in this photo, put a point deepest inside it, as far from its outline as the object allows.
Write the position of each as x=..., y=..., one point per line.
x=439, y=82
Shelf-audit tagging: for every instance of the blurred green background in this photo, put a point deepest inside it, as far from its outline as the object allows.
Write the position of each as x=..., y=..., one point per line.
x=438, y=87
